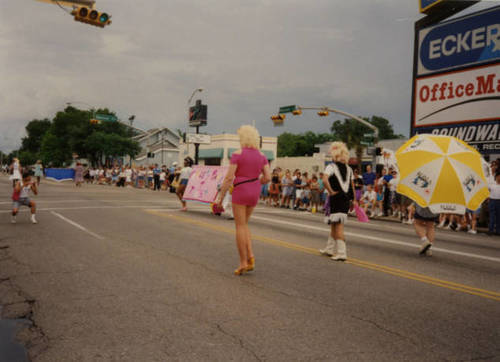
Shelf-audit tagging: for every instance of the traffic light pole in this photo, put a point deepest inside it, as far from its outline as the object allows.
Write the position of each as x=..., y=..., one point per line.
x=361, y=120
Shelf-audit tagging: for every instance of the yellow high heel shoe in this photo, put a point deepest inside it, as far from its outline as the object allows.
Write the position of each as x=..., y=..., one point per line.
x=240, y=271
x=251, y=264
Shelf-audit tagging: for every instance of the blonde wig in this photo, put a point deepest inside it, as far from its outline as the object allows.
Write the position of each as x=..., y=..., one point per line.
x=339, y=152
x=249, y=137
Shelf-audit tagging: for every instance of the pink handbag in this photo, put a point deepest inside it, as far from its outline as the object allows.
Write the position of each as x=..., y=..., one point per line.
x=360, y=213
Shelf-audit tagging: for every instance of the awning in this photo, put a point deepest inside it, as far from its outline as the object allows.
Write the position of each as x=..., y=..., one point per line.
x=211, y=153
x=269, y=154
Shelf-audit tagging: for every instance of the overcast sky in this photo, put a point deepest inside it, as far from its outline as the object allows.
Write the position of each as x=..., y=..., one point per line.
x=250, y=56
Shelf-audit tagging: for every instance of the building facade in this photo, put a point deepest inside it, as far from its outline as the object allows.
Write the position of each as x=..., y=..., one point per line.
x=222, y=146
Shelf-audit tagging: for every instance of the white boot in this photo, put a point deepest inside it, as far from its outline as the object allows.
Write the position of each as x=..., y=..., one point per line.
x=341, y=251
x=329, y=248
x=33, y=219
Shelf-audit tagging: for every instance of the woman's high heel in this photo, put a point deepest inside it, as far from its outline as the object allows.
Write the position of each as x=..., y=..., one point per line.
x=251, y=264
x=240, y=271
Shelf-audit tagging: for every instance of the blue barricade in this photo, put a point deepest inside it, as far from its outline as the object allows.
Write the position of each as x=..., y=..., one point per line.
x=60, y=174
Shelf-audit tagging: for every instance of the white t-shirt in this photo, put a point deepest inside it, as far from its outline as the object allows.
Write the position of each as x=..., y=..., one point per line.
x=393, y=184
x=370, y=195
x=25, y=190
x=162, y=176
x=185, y=173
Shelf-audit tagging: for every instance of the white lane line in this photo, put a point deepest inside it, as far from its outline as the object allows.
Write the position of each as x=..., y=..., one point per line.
x=373, y=225
x=88, y=208
x=383, y=240
x=77, y=225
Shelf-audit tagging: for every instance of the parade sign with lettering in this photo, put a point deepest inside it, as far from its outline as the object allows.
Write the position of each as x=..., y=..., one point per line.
x=457, y=80
x=204, y=183
x=467, y=41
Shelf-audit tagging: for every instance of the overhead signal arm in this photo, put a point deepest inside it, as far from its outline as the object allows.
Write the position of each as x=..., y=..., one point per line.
x=83, y=11
x=88, y=3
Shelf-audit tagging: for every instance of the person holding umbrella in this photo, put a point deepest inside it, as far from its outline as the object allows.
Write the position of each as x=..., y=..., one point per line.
x=442, y=175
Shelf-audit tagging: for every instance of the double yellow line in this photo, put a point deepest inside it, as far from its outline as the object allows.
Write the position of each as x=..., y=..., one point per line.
x=360, y=263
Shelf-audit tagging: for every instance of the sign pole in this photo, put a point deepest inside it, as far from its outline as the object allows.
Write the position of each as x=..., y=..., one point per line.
x=196, y=147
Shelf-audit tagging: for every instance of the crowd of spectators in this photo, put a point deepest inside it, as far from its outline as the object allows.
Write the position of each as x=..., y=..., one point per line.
x=376, y=194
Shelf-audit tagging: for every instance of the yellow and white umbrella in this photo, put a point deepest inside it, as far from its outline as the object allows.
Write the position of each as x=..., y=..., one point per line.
x=442, y=173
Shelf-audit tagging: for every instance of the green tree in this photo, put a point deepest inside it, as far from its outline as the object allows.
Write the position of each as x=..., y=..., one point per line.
x=294, y=145
x=351, y=132
x=35, y=131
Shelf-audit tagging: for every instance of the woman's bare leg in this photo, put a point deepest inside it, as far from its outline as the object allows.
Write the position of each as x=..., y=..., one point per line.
x=240, y=221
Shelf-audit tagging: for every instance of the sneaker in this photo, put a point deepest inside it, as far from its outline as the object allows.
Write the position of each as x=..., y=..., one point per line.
x=33, y=220
x=13, y=220
x=447, y=227
x=441, y=225
x=425, y=246
x=428, y=252
x=472, y=231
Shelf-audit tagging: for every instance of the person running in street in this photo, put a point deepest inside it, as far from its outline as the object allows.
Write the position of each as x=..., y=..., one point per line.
x=248, y=170
x=20, y=197
x=338, y=180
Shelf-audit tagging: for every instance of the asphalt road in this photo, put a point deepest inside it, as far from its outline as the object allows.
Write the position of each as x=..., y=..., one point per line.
x=113, y=274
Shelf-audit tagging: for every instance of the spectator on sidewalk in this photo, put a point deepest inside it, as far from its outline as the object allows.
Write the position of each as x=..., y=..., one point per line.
x=494, y=206
x=369, y=177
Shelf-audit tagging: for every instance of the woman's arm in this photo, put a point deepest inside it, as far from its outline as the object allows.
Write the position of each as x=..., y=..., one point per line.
x=327, y=185
x=266, y=175
x=226, y=184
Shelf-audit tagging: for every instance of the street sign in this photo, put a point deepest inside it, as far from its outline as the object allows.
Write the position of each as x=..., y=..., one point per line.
x=106, y=117
x=288, y=109
x=370, y=151
x=203, y=139
x=368, y=135
x=366, y=143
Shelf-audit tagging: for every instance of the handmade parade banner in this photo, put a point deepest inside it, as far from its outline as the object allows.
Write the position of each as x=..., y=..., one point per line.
x=204, y=183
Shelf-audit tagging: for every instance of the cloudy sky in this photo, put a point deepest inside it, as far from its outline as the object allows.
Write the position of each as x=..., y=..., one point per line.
x=250, y=56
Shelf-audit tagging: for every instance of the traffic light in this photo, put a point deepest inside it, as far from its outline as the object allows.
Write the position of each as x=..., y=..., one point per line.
x=94, y=121
x=297, y=112
x=278, y=119
x=323, y=113
x=91, y=16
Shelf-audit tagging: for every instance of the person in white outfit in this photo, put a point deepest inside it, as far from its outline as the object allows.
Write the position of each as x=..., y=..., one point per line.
x=16, y=171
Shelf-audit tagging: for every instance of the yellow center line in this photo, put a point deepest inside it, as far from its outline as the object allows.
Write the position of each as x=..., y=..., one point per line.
x=360, y=263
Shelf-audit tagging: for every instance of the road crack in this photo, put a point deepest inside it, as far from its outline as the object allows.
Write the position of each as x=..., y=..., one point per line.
x=378, y=326
x=240, y=341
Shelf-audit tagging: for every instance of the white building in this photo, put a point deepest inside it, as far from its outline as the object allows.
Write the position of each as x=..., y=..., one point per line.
x=161, y=143
x=222, y=146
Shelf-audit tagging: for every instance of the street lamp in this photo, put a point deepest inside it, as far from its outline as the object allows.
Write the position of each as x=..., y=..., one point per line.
x=192, y=95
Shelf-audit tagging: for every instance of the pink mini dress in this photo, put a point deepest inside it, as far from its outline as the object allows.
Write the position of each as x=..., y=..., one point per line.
x=250, y=163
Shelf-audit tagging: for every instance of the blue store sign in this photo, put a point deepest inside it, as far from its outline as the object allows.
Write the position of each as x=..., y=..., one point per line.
x=467, y=41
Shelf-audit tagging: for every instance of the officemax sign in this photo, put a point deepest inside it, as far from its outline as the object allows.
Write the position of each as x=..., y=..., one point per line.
x=467, y=41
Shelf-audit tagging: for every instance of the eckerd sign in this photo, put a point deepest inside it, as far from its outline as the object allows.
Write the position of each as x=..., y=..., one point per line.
x=470, y=40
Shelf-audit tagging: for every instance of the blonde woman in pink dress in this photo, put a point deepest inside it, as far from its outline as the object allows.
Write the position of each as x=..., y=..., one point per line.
x=248, y=170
